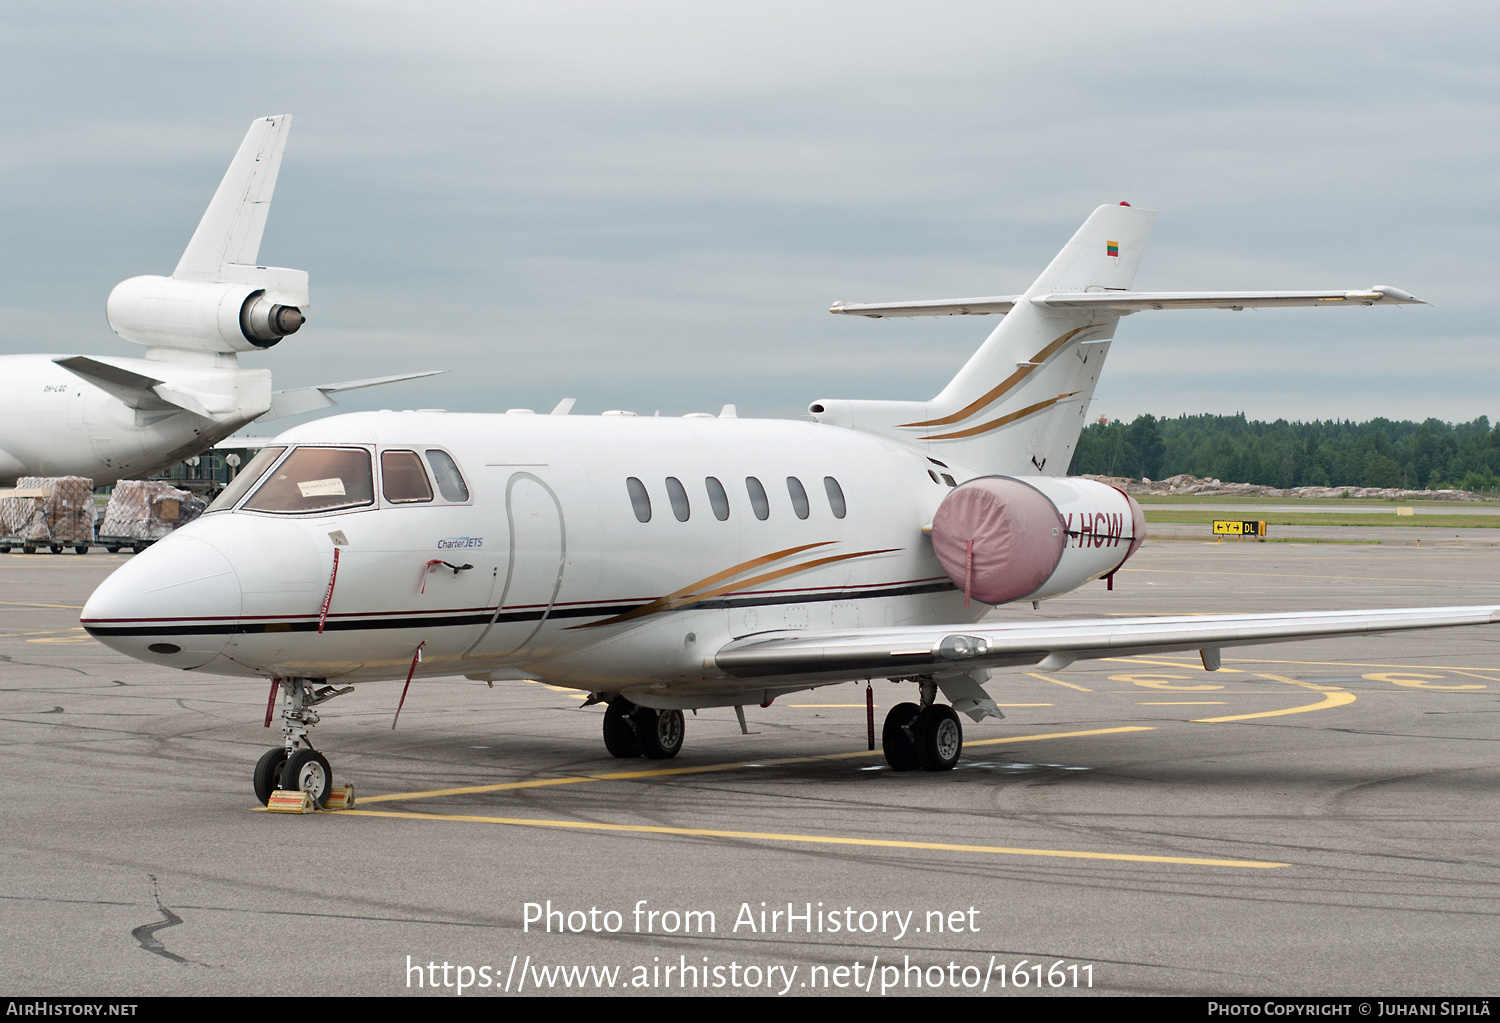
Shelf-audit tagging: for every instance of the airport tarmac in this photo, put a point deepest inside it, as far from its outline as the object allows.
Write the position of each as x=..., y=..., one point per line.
x=1314, y=818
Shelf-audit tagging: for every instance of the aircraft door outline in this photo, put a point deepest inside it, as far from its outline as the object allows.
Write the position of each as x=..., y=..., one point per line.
x=510, y=568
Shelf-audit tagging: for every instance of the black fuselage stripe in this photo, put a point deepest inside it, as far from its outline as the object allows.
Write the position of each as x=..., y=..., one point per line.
x=506, y=618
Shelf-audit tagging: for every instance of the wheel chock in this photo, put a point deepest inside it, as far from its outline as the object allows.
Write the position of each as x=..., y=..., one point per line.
x=341, y=798
x=290, y=801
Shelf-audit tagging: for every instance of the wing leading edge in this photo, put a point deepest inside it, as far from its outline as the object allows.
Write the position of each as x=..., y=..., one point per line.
x=958, y=648
x=1126, y=302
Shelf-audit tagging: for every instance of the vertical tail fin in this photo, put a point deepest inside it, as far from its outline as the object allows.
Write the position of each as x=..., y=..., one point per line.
x=230, y=231
x=1018, y=405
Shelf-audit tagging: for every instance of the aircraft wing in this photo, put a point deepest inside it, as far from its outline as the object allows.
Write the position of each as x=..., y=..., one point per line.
x=308, y=399
x=929, y=307
x=138, y=391
x=1054, y=645
x=1133, y=301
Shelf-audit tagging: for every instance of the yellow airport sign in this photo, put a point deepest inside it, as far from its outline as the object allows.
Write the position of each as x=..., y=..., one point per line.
x=1225, y=527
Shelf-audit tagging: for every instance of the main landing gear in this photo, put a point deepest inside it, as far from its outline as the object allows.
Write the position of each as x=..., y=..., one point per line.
x=633, y=731
x=926, y=735
x=295, y=764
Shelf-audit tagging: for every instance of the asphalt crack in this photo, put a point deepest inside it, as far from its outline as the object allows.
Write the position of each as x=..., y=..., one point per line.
x=146, y=933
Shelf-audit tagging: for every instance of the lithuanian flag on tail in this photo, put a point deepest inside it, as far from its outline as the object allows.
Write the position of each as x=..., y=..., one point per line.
x=1112, y=248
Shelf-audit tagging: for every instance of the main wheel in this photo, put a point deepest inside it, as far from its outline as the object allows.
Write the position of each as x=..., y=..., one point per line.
x=660, y=732
x=268, y=773
x=940, y=738
x=619, y=729
x=900, y=751
x=308, y=770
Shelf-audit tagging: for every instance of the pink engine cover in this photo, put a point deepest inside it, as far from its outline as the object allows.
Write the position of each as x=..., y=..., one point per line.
x=1017, y=535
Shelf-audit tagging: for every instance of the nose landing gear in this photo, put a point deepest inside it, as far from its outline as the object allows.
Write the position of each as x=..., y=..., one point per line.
x=928, y=735
x=295, y=765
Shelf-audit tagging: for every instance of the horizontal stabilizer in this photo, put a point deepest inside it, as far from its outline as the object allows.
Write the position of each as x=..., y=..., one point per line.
x=309, y=399
x=945, y=648
x=140, y=392
x=1124, y=302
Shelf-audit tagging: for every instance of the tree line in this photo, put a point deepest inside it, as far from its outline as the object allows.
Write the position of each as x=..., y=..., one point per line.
x=1431, y=455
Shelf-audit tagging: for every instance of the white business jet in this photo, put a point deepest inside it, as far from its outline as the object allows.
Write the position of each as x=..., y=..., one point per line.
x=665, y=565
x=111, y=418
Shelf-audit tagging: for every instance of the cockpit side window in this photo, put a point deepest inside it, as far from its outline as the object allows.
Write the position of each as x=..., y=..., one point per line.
x=316, y=479
x=247, y=478
x=449, y=480
x=402, y=479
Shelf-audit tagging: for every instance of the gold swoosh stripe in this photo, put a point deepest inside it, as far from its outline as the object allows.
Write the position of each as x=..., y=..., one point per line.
x=994, y=395
x=1002, y=421
x=684, y=598
x=663, y=603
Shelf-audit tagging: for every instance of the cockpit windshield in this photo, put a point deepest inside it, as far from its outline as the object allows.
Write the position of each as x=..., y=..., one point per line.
x=247, y=478
x=317, y=479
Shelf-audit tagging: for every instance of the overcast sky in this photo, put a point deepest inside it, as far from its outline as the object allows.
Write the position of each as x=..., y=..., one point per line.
x=651, y=205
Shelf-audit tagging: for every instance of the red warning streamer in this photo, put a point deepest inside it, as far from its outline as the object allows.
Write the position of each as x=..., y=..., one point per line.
x=328, y=596
x=409, y=673
x=271, y=700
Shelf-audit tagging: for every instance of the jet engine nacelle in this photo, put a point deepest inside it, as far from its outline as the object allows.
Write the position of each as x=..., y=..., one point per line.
x=1004, y=538
x=164, y=312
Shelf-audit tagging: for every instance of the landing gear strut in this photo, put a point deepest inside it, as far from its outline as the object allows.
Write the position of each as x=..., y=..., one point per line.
x=295, y=764
x=633, y=731
x=928, y=735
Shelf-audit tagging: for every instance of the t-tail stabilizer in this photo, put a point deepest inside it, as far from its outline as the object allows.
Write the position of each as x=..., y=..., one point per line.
x=1019, y=404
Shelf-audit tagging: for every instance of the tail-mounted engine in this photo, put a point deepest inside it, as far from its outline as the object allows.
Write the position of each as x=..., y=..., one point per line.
x=1004, y=538
x=165, y=312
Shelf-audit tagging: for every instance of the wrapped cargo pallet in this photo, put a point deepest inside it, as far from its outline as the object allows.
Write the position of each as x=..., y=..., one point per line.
x=23, y=516
x=66, y=513
x=147, y=510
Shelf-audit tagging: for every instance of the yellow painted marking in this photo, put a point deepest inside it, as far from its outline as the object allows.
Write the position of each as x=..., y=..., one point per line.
x=1411, y=679
x=1304, y=685
x=20, y=603
x=1159, y=682
x=1362, y=664
x=1328, y=701
x=662, y=772
x=1168, y=703
x=1059, y=682
x=772, y=836
x=1167, y=664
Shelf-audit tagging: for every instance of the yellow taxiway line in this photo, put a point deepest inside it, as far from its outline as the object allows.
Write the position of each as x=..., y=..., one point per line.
x=662, y=772
x=771, y=836
x=1328, y=700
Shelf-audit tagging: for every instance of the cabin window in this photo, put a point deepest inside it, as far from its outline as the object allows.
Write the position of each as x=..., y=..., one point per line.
x=402, y=479
x=317, y=479
x=639, y=499
x=799, y=497
x=449, y=480
x=718, y=500
x=835, y=497
x=758, y=501
x=678, y=496
x=247, y=478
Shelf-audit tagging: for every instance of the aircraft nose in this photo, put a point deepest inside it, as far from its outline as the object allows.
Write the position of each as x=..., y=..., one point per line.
x=175, y=604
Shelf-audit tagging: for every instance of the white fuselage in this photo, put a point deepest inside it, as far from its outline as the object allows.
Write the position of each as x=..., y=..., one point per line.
x=565, y=582
x=55, y=423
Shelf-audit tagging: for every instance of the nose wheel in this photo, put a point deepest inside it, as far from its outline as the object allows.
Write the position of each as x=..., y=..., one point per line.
x=295, y=764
